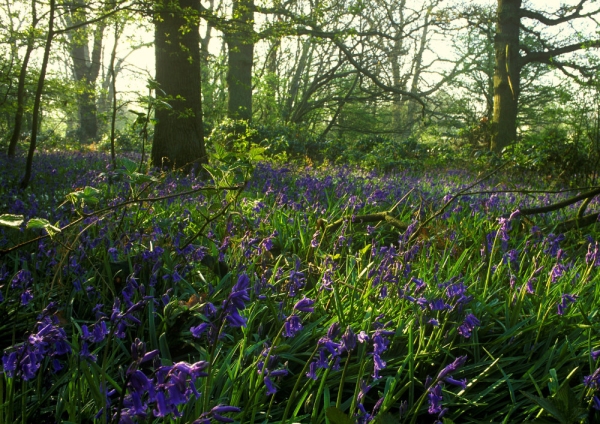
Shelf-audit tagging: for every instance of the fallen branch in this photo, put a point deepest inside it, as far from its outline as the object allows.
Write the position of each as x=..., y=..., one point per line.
x=371, y=217
x=567, y=202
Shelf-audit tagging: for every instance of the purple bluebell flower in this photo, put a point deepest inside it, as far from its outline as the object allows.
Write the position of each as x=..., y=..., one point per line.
x=363, y=337
x=592, y=381
x=557, y=271
x=434, y=398
x=349, y=340
x=453, y=366
x=469, y=323
x=49, y=341
x=26, y=297
x=596, y=403
x=314, y=243
x=312, y=371
x=198, y=330
x=434, y=322
x=364, y=389
x=297, y=280
x=21, y=279
x=593, y=254
x=305, y=305
x=292, y=326
x=271, y=389
x=460, y=383
x=566, y=300
x=113, y=253
x=380, y=345
x=595, y=354
x=217, y=413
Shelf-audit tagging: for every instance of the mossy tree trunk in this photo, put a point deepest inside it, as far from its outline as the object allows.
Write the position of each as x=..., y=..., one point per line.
x=507, y=75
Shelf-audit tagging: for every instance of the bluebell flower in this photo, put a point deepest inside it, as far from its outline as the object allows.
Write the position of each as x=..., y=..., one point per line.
x=469, y=323
x=364, y=389
x=305, y=305
x=453, y=366
x=48, y=342
x=271, y=389
x=199, y=329
x=349, y=340
x=593, y=254
x=312, y=370
x=592, y=381
x=596, y=403
x=434, y=398
x=217, y=413
x=297, y=280
x=292, y=326
x=113, y=253
x=21, y=279
x=26, y=297
x=566, y=300
x=460, y=383
x=595, y=354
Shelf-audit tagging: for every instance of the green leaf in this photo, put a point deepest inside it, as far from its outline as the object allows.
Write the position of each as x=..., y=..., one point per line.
x=129, y=165
x=336, y=416
x=87, y=195
x=548, y=405
x=163, y=345
x=9, y=220
x=137, y=178
x=37, y=223
x=387, y=419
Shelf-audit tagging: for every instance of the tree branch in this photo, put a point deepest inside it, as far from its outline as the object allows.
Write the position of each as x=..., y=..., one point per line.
x=545, y=57
x=526, y=13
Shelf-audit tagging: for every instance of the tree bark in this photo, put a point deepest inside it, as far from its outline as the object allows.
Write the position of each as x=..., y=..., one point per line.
x=507, y=75
x=178, y=134
x=14, y=139
x=38, y=98
x=240, y=45
x=86, y=68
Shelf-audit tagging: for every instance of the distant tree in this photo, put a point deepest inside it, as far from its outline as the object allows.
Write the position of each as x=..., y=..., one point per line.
x=178, y=134
x=20, y=106
x=512, y=56
x=239, y=35
x=86, y=64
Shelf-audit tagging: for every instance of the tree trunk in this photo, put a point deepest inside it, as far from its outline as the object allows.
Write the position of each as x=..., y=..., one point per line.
x=507, y=75
x=240, y=45
x=14, y=139
x=38, y=98
x=294, y=85
x=86, y=68
x=178, y=134
x=398, y=80
x=413, y=117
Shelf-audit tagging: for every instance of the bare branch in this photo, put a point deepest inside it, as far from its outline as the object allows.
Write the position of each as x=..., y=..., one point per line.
x=526, y=13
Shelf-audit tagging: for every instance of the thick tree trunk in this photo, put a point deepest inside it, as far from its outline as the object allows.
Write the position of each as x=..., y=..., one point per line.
x=178, y=134
x=240, y=45
x=507, y=75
